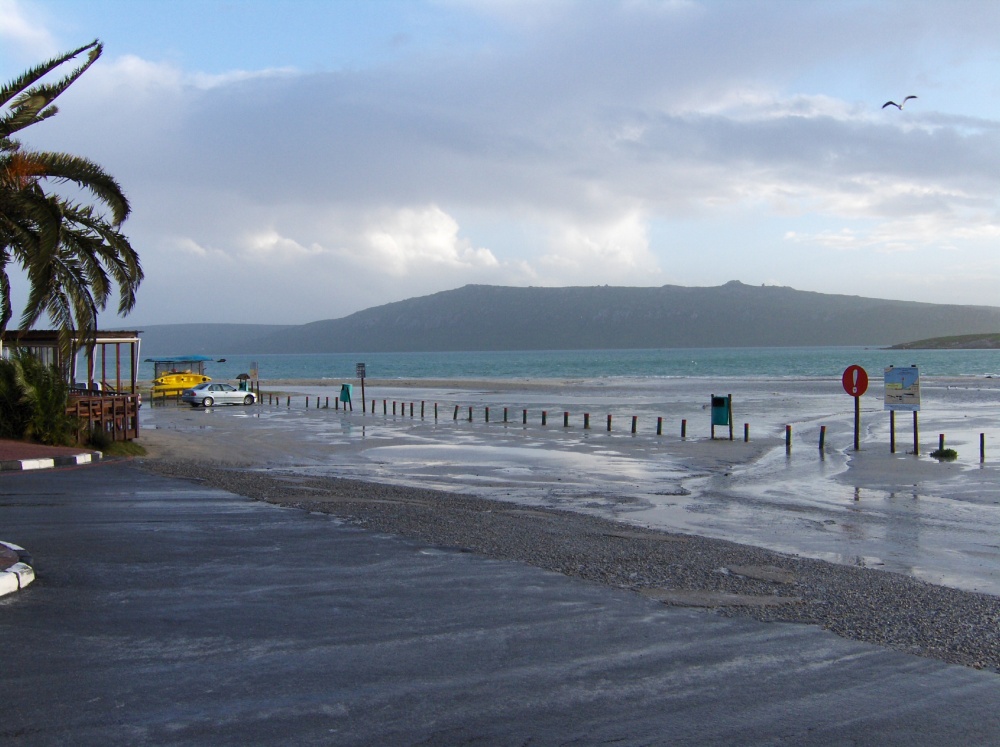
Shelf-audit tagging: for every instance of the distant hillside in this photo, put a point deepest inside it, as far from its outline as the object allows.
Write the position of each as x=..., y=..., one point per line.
x=988, y=341
x=203, y=339
x=482, y=317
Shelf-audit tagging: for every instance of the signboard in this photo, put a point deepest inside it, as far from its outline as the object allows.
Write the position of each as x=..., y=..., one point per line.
x=360, y=370
x=902, y=388
x=855, y=381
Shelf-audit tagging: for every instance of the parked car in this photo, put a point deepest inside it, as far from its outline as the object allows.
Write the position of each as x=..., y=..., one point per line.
x=211, y=393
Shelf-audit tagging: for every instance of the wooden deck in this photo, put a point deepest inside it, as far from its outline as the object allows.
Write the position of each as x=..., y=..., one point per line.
x=115, y=414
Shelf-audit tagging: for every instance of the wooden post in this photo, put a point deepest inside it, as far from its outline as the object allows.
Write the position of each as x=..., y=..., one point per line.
x=635, y=420
x=788, y=438
x=586, y=421
x=659, y=426
x=729, y=410
x=544, y=415
x=524, y=417
x=364, y=407
x=394, y=408
x=505, y=414
x=470, y=413
x=565, y=420
x=892, y=431
x=712, y=400
x=384, y=407
x=288, y=402
x=822, y=437
x=916, y=434
x=982, y=448
x=421, y=409
x=487, y=414
x=940, y=442
x=411, y=409
x=746, y=433
x=684, y=428
x=455, y=417
x=609, y=422
x=435, y=410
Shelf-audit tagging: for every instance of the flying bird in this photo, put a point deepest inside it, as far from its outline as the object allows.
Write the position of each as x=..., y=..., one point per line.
x=898, y=106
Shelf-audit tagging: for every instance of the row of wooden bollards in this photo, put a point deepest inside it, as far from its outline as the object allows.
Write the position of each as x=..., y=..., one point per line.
x=276, y=400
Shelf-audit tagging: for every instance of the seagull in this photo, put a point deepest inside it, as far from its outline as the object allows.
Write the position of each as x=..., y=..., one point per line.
x=898, y=106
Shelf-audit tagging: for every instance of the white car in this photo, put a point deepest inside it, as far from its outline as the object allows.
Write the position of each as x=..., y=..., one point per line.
x=209, y=393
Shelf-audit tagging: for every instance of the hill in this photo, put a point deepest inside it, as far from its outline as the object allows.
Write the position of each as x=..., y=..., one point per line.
x=203, y=339
x=987, y=341
x=484, y=317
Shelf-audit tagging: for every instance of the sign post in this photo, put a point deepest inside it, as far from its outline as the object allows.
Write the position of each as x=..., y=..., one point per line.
x=902, y=392
x=359, y=369
x=855, y=381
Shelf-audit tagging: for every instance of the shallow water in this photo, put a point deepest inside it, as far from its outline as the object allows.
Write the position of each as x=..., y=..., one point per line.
x=901, y=512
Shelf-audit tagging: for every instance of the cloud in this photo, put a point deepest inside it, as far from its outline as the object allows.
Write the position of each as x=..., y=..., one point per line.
x=546, y=157
x=23, y=29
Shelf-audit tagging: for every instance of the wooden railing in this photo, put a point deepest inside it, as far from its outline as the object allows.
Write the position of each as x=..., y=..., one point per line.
x=115, y=414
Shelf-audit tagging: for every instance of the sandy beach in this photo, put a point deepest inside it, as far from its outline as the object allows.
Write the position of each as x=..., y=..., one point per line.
x=896, y=549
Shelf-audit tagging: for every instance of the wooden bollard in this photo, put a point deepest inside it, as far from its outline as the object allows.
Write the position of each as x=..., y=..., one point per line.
x=288, y=403
x=524, y=417
x=394, y=407
x=684, y=428
x=982, y=447
x=487, y=414
x=635, y=421
x=544, y=416
x=565, y=420
x=788, y=438
x=505, y=414
x=328, y=403
x=421, y=409
x=822, y=437
x=470, y=413
x=586, y=421
x=384, y=407
x=609, y=422
x=746, y=433
x=659, y=426
x=307, y=403
x=411, y=409
x=455, y=417
x=435, y=410
x=940, y=442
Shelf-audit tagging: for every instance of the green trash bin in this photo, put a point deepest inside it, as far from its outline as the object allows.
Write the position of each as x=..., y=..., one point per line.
x=720, y=410
x=345, y=393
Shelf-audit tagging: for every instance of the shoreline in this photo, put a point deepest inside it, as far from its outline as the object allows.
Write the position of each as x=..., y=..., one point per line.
x=865, y=604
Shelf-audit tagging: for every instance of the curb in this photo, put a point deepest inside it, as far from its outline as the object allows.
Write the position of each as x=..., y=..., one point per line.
x=17, y=465
x=17, y=575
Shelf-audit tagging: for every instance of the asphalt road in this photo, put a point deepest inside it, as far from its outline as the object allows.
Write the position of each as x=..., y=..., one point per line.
x=164, y=613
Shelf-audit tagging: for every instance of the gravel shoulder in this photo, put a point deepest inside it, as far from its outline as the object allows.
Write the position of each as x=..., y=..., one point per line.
x=729, y=579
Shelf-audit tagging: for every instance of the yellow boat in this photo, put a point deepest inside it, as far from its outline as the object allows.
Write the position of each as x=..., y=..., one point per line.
x=175, y=374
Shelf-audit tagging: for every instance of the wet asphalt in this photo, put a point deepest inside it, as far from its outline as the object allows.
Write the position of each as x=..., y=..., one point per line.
x=166, y=613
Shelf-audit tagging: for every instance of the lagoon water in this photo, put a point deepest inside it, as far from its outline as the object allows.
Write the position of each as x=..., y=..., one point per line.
x=725, y=363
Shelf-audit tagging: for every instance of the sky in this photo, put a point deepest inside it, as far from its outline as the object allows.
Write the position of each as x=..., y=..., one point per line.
x=293, y=161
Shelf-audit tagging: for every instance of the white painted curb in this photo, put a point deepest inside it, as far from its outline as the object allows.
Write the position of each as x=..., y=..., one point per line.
x=18, y=575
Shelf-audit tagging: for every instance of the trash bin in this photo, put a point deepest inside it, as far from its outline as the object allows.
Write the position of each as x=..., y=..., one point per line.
x=720, y=410
x=345, y=392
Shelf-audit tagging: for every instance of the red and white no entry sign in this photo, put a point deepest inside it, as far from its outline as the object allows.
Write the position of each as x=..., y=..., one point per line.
x=855, y=381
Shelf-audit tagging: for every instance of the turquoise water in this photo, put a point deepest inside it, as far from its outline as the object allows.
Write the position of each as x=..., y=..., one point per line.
x=597, y=364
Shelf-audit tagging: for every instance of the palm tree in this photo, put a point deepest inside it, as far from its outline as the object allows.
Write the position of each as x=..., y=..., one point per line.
x=74, y=255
